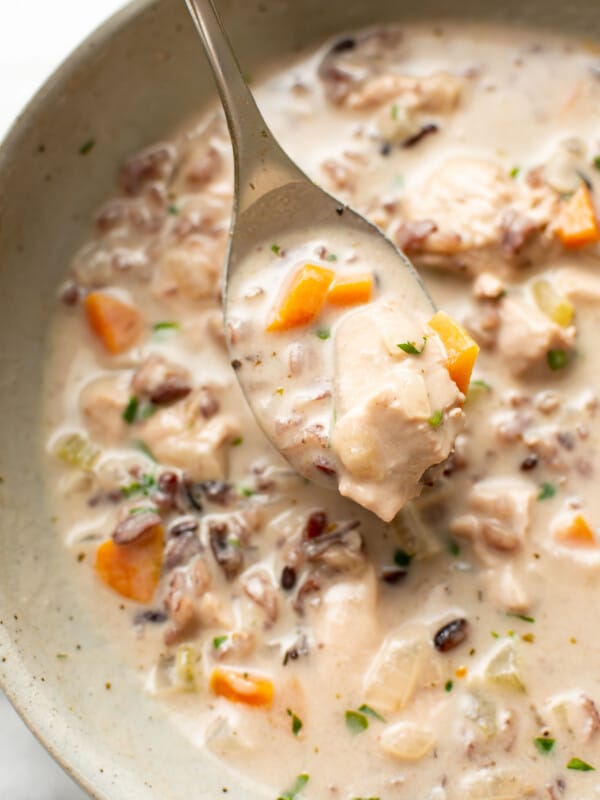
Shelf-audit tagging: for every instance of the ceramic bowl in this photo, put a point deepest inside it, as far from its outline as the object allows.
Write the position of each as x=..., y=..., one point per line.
x=134, y=80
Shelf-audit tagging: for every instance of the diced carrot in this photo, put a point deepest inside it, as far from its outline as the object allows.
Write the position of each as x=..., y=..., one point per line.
x=132, y=570
x=460, y=348
x=577, y=532
x=304, y=298
x=117, y=324
x=577, y=224
x=351, y=290
x=242, y=687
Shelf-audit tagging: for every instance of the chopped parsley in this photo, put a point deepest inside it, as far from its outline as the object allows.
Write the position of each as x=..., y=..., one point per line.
x=219, y=640
x=453, y=548
x=356, y=722
x=165, y=326
x=365, y=709
x=449, y=685
x=435, y=420
x=172, y=210
x=143, y=486
x=596, y=162
x=582, y=766
x=394, y=111
x=237, y=441
x=62, y=656
x=402, y=558
x=247, y=492
x=143, y=448
x=411, y=348
x=514, y=172
x=323, y=333
x=143, y=510
x=300, y=783
x=275, y=249
x=331, y=257
x=296, y=722
x=544, y=744
x=131, y=410
x=557, y=358
x=87, y=147
x=520, y=616
x=547, y=490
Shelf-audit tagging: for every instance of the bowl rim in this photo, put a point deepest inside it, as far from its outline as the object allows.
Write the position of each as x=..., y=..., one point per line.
x=14, y=689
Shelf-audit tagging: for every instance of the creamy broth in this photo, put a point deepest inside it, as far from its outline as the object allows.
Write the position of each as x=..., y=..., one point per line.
x=448, y=654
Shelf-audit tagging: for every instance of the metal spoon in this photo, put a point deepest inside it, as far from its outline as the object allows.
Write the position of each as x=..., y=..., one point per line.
x=273, y=197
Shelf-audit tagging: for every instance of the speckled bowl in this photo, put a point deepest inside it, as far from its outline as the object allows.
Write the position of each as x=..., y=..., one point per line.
x=137, y=77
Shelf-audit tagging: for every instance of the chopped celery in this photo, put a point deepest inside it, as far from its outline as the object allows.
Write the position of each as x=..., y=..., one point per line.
x=185, y=667
x=77, y=450
x=554, y=305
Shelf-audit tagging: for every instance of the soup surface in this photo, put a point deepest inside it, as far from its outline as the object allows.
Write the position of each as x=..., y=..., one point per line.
x=450, y=653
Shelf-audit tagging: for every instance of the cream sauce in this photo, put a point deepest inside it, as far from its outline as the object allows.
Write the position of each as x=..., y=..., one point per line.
x=468, y=623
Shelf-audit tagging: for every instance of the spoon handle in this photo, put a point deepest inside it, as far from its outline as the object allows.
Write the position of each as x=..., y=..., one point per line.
x=260, y=164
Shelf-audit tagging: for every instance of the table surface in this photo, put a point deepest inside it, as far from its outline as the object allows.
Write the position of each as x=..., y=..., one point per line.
x=27, y=57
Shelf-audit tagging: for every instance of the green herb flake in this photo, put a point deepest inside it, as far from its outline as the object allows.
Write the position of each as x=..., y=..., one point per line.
x=87, y=147
x=247, y=492
x=394, y=111
x=582, y=766
x=293, y=793
x=296, y=722
x=143, y=448
x=144, y=486
x=547, y=490
x=131, y=410
x=478, y=388
x=323, y=333
x=435, y=420
x=402, y=558
x=356, y=722
x=237, y=441
x=411, y=348
x=167, y=325
x=520, y=616
x=219, y=640
x=544, y=744
x=173, y=210
x=449, y=686
x=147, y=410
x=331, y=257
x=62, y=656
x=514, y=172
x=275, y=249
x=370, y=712
x=453, y=548
x=557, y=358
x=494, y=634
x=596, y=162
x=143, y=510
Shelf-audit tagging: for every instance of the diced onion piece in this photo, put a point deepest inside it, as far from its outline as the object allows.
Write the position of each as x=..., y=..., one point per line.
x=303, y=299
x=576, y=532
x=577, y=224
x=351, y=290
x=242, y=687
x=482, y=712
x=406, y=741
x=396, y=670
x=461, y=349
x=488, y=784
x=132, y=570
x=502, y=668
x=77, y=450
x=554, y=305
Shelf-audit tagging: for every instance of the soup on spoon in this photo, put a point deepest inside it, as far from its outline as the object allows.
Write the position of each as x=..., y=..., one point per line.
x=336, y=344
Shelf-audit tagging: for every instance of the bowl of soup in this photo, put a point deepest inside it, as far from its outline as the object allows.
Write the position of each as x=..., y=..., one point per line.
x=181, y=614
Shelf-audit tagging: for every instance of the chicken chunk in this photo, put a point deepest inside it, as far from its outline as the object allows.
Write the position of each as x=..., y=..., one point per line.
x=190, y=270
x=527, y=335
x=182, y=436
x=473, y=217
x=390, y=429
x=500, y=513
x=102, y=402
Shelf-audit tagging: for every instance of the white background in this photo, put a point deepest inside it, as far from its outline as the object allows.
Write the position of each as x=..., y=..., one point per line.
x=34, y=38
